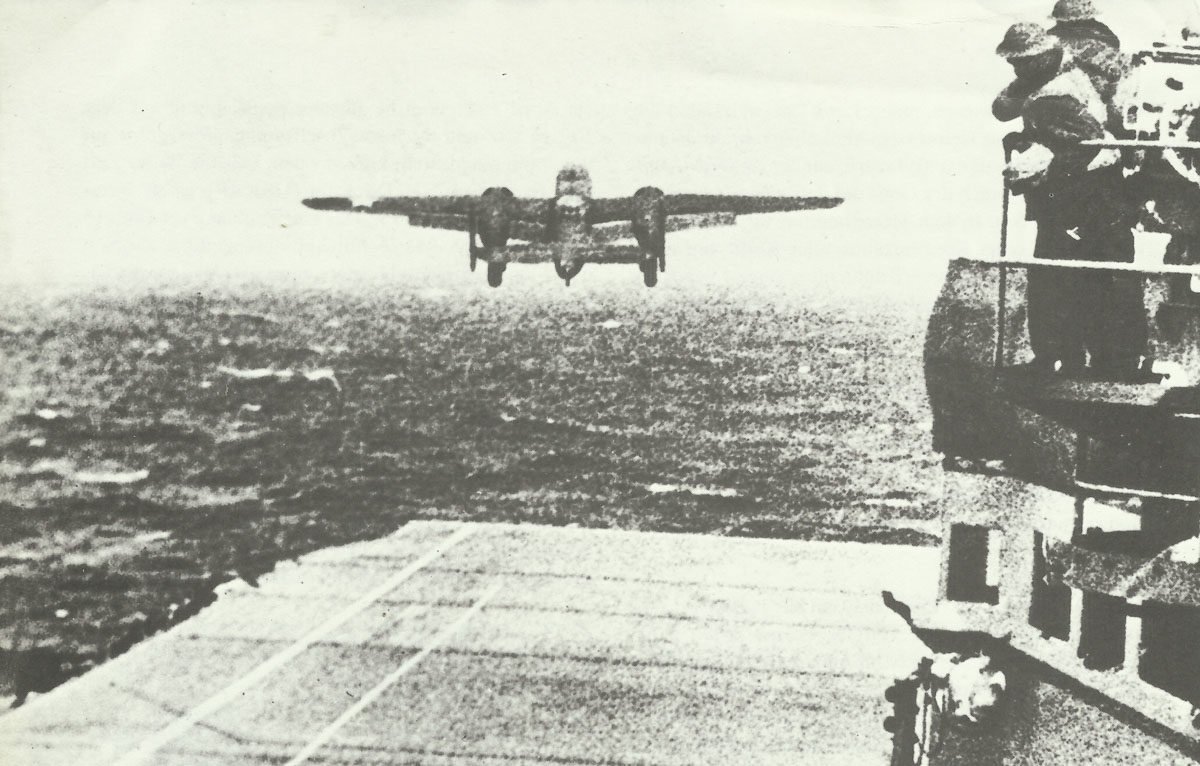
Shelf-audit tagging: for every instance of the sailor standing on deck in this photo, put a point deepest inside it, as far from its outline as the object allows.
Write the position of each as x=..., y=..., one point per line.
x=1094, y=48
x=1076, y=194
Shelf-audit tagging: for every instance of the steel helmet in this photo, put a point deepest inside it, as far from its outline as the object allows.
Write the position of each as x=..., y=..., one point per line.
x=1073, y=10
x=1025, y=39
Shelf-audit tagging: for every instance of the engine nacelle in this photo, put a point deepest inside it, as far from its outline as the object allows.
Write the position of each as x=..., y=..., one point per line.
x=494, y=216
x=649, y=220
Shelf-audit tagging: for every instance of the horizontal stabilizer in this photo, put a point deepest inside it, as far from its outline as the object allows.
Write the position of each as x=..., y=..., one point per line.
x=617, y=230
x=532, y=253
x=530, y=232
x=440, y=221
x=540, y=253
x=610, y=232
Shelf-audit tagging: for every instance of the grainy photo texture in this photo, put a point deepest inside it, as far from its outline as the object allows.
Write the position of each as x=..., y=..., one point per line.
x=640, y=382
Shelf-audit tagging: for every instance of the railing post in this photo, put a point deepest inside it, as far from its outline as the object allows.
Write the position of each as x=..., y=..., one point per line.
x=1002, y=298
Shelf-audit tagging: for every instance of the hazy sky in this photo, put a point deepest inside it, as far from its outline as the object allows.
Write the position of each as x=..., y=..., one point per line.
x=153, y=136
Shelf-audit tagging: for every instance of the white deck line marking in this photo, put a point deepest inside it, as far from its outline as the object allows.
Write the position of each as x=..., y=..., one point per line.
x=327, y=733
x=152, y=744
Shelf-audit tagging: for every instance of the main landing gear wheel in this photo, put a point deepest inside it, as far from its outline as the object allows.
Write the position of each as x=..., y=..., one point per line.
x=472, y=248
x=495, y=274
x=649, y=269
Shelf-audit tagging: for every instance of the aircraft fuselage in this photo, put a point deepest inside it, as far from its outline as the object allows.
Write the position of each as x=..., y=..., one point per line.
x=570, y=233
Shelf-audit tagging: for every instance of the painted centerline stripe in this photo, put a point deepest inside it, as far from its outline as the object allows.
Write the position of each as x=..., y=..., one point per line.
x=327, y=733
x=179, y=726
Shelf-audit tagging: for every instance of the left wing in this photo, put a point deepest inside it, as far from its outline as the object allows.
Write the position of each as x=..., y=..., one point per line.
x=534, y=210
x=621, y=209
x=453, y=213
x=461, y=205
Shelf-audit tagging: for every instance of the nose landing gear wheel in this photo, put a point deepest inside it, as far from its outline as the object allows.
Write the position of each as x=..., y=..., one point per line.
x=567, y=273
x=495, y=274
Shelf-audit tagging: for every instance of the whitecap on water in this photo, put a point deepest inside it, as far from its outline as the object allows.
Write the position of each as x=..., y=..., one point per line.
x=50, y=467
x=151, y=537
x=110, y=477
x=206, y=496
x=314, y=376
x=49, y=414
x=259, y=373
x=283, y=375
x=68, y=471
x=686, y=489
x=160, y=348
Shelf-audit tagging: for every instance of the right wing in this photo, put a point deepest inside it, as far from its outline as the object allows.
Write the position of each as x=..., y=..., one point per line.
x=621, y=208
x=695, y=204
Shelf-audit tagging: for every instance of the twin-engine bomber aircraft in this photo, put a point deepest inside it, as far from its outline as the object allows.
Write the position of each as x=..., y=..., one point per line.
x=572, y=228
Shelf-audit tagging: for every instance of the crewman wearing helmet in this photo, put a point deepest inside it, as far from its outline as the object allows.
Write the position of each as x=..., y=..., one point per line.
x=1077, y=197
x=1094, y=48
x=1077, y=23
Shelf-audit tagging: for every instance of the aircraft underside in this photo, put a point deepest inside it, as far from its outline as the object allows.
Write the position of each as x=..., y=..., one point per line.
x=568, y=259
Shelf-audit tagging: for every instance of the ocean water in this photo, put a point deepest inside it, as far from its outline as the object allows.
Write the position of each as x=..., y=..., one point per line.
x=158, y=441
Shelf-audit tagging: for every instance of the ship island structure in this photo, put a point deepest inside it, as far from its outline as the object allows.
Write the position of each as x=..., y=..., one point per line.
x=1070, y=503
